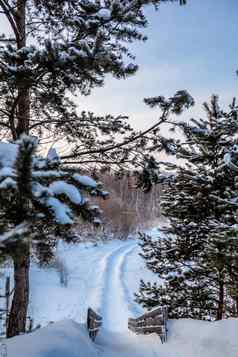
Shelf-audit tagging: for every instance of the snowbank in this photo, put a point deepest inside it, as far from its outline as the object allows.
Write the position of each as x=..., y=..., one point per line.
x=192, y=338
x=187, y=338
x=63, y=339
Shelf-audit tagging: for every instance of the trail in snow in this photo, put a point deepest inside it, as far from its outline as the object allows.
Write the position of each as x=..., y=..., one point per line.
x=114, y=297
x=134, y=308
x=101, y=268
x=103, y=276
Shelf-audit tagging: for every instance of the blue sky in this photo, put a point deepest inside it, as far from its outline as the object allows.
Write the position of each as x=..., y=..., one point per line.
x=194, y=47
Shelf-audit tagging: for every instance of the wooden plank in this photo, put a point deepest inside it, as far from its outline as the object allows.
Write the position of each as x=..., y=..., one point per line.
x=94, y=315
x=151, y=329
x=151, y=322
x=155, y=312
x=3, y=350
x=7, y=292
x=94, y=322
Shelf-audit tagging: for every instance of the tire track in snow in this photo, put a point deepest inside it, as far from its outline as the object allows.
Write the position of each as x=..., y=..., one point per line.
x=114, y=295
x=97, y=285
x=133, y=307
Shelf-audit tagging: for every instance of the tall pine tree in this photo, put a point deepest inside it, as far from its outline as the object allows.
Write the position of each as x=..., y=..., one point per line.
x=52, y=51
x=198, y=256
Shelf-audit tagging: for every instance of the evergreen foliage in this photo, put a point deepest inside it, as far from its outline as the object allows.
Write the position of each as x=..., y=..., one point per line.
x=198, y=256
x=54, y=51
x=38, y=192
x=59, y=49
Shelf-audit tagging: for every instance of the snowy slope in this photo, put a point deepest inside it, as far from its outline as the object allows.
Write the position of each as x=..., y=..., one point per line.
x=188, y=338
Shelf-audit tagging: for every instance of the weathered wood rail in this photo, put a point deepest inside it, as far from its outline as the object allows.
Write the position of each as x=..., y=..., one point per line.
x=3, y=350
x=94, y=322
x=154, y=321
x=4, y=310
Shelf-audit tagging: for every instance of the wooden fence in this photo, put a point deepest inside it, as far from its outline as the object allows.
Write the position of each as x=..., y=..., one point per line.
x=94, y=322
x=3, y=350
x=152, y=322
x=4, y=311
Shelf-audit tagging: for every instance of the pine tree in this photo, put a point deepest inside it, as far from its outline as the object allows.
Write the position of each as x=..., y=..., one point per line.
x=56, y=49
x=198, y=257
x=38, y=197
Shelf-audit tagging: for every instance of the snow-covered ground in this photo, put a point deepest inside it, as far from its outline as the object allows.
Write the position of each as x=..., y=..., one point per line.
x=105, y=277
x=187, y=338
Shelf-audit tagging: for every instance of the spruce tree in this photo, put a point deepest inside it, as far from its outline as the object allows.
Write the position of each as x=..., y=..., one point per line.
x=198, y=256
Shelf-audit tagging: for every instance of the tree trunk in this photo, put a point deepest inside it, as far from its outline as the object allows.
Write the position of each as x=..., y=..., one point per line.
x=221, y=301
x=23, y=106
x=18, y=313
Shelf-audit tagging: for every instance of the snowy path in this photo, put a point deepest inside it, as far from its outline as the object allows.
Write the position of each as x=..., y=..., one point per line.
x=104, y=277
x=115, y=301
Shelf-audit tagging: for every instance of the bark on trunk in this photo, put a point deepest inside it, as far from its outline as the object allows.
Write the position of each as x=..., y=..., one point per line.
x=23, y=107
x=18, y=313
x=221, y=302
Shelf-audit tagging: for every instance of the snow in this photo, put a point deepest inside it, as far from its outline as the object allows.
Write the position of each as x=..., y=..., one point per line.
x=16, y=232
x=105, y=276
x=92, y=271
x=61, y=211
x=52, y=155
x=8, y=154
x=85, y=180
x=7, y=171
x=228, y=161
x=77, y=52
x=48, y=173
x=187, y=338
x=64, y=339
x=62, y=187
x=104, y=14
x=8, y=183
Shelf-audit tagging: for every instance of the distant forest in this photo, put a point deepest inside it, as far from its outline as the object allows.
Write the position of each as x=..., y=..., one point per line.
x=127, y=210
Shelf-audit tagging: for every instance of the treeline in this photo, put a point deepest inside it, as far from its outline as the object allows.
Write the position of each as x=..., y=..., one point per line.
x=128, y=209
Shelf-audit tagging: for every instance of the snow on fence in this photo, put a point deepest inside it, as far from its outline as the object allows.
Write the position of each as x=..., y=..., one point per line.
x=4, y=309
x=154, y=321
x=94, y=322
x=3, y=350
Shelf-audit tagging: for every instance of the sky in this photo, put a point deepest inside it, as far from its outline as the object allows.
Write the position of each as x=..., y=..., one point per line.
x=192, y=47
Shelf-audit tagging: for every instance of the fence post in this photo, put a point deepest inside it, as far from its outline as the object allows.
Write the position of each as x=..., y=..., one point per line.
x=94, y=322
x=7, y=293
x=7, y=296
x=3, y=350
